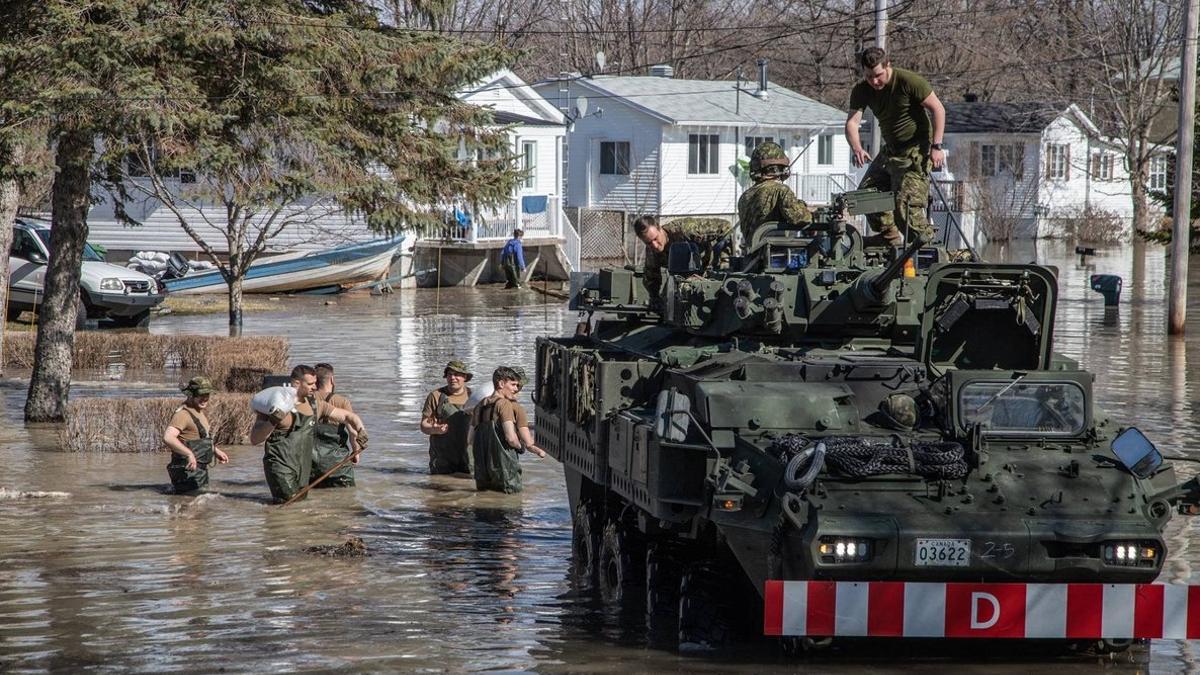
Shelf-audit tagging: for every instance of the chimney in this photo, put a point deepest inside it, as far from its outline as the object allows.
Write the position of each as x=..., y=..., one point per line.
x=662, y=70
x=970, y=98
x=762, y=79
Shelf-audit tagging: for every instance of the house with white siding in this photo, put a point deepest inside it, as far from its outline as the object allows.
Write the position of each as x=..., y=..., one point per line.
x=678, y=147
x=1030, y=170
x=536, y=130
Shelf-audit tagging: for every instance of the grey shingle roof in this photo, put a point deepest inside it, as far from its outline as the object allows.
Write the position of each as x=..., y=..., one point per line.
x=1016, y=118
x=713, y=101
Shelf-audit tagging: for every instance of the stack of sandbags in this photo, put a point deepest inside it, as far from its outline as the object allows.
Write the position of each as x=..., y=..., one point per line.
x=149, y=262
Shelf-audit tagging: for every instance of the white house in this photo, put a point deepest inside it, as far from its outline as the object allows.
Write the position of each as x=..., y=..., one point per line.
x=657, y=144
x=1026, y=169
x=536, y=130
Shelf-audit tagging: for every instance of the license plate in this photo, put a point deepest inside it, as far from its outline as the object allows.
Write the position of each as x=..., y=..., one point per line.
x=943, y=553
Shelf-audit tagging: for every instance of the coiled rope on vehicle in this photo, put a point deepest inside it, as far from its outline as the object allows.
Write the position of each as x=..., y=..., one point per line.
x=858, y=457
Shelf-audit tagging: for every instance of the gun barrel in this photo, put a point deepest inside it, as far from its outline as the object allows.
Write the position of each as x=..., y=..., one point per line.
x=893, y=271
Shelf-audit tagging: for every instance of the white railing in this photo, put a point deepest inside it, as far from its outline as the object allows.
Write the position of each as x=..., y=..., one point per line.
x=818, y=189
x=498, y=223
x=572, y=246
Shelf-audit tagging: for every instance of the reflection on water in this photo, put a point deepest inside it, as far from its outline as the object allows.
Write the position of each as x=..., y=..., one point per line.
x=120, y=574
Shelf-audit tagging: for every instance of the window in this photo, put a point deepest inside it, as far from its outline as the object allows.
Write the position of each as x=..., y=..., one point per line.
x=987, y=160
x=1102, y=166
x=24, y=246
x=1023, y=408
x=703, y=153
x=529, y=164
x=614, y=158
x=753, y=142
x=1158, y=172
x=1011, y=159
x=825, y=150
x=1058, y=161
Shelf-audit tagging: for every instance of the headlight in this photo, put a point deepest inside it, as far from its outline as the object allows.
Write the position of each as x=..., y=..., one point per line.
x=1130, y=554
x=844, y=550
x=112, y=284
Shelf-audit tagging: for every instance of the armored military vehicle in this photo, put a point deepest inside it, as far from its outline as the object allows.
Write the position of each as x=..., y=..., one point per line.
x=824, y=409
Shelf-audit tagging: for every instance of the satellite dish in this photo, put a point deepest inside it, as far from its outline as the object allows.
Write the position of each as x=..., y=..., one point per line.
x=581, y=106
x=601, y=59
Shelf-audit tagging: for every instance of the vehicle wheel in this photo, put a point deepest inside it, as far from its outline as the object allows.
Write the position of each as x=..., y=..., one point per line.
x=139, y=320
x=662, y=593
x=705, y=620
x=585, y=548
x=81, y=315
x=622, y=565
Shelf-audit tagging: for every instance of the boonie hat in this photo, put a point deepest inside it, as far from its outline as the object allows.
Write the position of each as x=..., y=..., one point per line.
x=459, y=367
x=198, y=386
x=520, y=375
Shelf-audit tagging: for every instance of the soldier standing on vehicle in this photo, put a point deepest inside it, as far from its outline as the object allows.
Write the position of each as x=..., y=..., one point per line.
x=912, y=143
x=711, y=235
x=288, y=437
x=512, y=259
x=500, y=430
x=331, y=442
x=189, y=438
x=447, y=424
x=769, y=199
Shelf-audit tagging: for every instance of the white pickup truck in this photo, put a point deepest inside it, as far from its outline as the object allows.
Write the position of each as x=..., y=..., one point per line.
x=121, y=296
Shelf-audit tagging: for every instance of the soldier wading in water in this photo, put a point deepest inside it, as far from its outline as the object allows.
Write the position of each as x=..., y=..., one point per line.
x=331, y=442
x=189, y=437
x=447, y=424
x=500, y=431
x=289, y=439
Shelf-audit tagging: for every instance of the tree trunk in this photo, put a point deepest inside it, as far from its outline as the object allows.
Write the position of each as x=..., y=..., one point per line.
x=234, y=280
x=50, y=385
x=10, y=197
x=1141, y=209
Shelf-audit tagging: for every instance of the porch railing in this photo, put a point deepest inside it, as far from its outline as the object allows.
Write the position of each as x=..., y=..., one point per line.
x=536, y=215
x=818, y=189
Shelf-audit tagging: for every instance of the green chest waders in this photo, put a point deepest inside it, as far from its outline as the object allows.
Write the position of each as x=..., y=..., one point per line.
x=183, y=480
x=497, y=466
x=331, y=444
x=288, y=459
x=448, y=452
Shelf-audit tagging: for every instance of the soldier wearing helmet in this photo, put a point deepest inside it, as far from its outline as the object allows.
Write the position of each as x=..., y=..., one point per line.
x=769, y=199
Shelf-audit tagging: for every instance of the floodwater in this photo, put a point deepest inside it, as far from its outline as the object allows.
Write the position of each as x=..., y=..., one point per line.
x=118, y=575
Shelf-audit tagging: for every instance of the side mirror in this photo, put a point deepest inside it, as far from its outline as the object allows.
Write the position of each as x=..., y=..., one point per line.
x=683, y=259
x=37, y=258
x=671, y=418
x=1136, y=453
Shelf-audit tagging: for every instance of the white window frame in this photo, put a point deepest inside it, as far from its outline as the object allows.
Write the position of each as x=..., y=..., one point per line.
x=988, y=160
x=1010, y=157
x=704, y=154
x=1156, y=178
x=1056, y=161
x=529, y=164
x=1102, y=166
x=825, y=150
x=618, y=170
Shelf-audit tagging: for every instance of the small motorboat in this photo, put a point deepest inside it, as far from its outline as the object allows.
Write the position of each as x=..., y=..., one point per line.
x=334, y=268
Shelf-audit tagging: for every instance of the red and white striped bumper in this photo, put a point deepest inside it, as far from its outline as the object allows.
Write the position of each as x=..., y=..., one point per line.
x=965, y=610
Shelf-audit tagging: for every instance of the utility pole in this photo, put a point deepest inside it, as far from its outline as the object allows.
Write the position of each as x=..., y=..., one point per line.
x=1181, y=231
x=881, y=20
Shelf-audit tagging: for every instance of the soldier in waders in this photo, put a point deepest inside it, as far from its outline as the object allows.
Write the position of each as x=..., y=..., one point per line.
x=512, y=260
x=447, y=424
x=288, y=437
x=331, y=442
x=190, y=441
x=500, y=431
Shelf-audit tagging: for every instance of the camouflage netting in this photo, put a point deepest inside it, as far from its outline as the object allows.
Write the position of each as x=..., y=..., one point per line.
x=857, y=457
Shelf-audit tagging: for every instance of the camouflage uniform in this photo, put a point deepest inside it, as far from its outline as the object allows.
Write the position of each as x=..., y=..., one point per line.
x=903, y=164
x=710, y=234
x=769, y=200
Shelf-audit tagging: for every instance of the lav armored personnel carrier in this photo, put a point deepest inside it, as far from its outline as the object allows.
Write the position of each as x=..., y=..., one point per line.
x=822, y=410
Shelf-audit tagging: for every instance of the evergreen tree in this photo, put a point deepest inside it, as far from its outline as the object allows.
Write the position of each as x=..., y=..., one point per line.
x=305, y=110
x=1166, y=198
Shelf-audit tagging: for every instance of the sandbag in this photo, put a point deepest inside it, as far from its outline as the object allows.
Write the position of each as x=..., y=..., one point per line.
x=274, y=401
x=478, y=393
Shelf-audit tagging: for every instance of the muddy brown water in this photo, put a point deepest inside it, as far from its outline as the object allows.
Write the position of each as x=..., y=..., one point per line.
x=121, y=576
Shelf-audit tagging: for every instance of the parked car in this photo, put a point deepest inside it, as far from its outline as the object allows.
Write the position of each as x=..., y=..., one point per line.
x=107, y=292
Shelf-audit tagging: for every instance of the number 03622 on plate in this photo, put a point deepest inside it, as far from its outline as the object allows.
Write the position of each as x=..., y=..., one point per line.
x=943, y=552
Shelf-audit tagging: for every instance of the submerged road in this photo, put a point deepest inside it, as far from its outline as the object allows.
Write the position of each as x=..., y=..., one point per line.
x=120, y=576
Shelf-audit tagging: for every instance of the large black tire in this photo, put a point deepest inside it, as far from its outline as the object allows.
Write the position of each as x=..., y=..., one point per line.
x=622, y=567
x=81, y=315
x=706, y=618
x=585, y=548
x=662, y=593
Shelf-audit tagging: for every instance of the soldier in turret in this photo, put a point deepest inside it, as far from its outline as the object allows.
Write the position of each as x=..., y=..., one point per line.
x=711, y=235
x=769, y=199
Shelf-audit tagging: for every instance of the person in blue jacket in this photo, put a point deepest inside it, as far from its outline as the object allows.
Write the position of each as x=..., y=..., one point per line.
x=512, y=260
